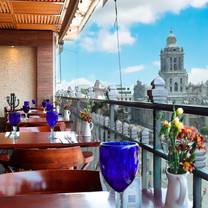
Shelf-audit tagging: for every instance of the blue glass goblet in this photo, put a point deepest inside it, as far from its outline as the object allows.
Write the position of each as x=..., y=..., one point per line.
x=119, y=164
x=14, y=119
x=49, y=107
x=52, y=119
x=26, y=103
x=26, y=109
x=34, y=102
x=44, y=103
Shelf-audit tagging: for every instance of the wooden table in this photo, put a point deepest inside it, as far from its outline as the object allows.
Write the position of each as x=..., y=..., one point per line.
x=77, y=200
x=36, y=121
x=61, y=200
x=41, y=140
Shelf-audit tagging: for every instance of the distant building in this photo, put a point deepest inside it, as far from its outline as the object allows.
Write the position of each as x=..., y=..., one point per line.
x=99, y=90
x=140, y=92
x=124, y=93
x=173, y=72
x=172, y=69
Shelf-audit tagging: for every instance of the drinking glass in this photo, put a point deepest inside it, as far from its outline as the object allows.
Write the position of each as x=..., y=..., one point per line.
x=34, y=102
x=119, y=164
x=52, y=119
x=44, y=103
x=26, y=109
x=49, y=107
x=14, y=119
x=26, y=103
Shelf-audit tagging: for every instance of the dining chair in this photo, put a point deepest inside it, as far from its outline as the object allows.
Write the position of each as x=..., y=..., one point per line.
x=49, y=181
x=51, y=158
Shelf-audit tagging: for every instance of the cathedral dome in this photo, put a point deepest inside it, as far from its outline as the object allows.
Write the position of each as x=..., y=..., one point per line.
x=171, y=40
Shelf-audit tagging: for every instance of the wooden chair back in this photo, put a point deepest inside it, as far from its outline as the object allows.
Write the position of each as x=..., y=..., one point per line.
x=49, y=181
x=38, y=159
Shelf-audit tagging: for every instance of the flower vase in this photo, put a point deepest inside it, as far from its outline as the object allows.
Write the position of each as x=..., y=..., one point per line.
x=86, y=128
x=67, y=114
x=177, y=191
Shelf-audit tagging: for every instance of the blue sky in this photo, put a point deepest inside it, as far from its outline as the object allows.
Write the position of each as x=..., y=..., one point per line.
x=143, y=31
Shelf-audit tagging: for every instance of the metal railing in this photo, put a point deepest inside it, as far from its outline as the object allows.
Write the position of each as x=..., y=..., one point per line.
x=155, y=148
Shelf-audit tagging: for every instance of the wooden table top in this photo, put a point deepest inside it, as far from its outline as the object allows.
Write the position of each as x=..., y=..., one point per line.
x=61, y=200
x=33, y=120
x=41, y=140
x=79, y=200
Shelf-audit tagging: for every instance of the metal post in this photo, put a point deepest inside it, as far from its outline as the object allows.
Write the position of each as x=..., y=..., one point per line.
x=197, y=186
x=144, y=170
x=112, y=121
x=156, y=159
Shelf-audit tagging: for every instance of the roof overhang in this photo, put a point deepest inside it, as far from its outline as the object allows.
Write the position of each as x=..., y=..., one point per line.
x=65, y=17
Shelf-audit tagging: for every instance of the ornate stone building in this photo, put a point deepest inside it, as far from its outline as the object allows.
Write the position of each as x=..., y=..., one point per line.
x=172, y=69
x=173, y=72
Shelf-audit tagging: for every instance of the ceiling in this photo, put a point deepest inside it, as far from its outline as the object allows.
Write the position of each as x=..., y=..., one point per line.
x=66, y=17
x=31, y=14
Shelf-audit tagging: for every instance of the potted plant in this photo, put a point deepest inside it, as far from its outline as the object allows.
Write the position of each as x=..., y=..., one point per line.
x=87, y=125
x=182, y=141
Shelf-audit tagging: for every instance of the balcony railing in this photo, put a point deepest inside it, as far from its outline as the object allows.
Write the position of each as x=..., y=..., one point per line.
x=145, y=133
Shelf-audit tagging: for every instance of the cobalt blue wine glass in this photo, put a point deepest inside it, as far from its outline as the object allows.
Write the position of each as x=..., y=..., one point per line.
x=52, y=119
x=49, y=107
x=119, y=164
x=34, y=102
x=26, y=103
x=26, y=109
x=44, y=103
x=14, y=119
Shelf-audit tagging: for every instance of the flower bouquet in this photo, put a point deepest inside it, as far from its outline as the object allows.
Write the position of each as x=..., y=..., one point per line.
x=182, y=142
x=85, y=116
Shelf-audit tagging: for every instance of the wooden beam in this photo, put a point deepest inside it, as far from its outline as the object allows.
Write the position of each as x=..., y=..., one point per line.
x=47, y=1
x=69, y=15
x=32, y=7
x=37, y=27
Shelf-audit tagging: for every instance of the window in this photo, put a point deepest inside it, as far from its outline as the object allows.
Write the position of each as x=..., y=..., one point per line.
x=181, y=89
x=175, y=67
x=170, y=89
x=170, y=81
x=181, y=80
x=175, y=60
x=176, y=87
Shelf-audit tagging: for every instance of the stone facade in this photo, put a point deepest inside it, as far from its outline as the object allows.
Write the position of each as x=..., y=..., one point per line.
x=172, y=69
x=17, y=74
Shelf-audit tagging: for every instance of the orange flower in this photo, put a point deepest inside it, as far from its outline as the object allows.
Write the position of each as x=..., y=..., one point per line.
x=200, y=141
x=85, y=116
x=188, y=166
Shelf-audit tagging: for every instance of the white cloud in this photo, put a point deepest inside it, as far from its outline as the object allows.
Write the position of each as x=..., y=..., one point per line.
x=133, y=69
x=129, y=12
x=105, y=40
x=142, y=11
x=198, y=75
x=156, y=63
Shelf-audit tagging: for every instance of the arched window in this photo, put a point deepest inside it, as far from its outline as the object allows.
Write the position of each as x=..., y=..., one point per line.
x=176, y=87
x=175, y=67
